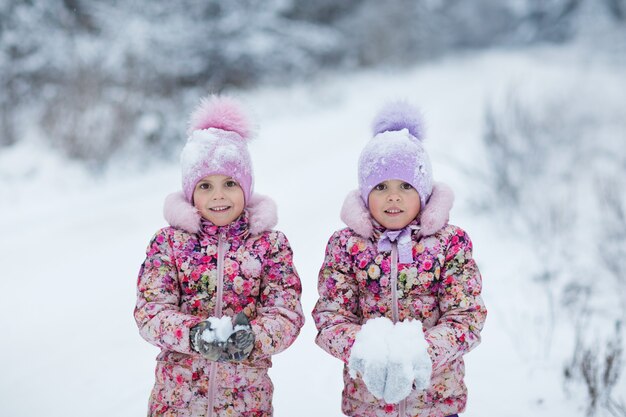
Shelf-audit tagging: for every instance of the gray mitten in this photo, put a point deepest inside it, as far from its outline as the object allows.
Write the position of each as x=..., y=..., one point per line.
x=368, y=356
x=241, y=342
x=208, y=337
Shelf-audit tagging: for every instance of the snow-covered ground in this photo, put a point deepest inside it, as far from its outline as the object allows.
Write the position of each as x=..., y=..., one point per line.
x=71, y=245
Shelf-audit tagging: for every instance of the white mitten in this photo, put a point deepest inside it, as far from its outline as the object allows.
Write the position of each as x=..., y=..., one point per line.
x=422, y=366
x=408, y=361
x=369, y=354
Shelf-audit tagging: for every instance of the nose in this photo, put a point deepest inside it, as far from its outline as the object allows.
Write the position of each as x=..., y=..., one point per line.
x=393, y=197
x=218, y=194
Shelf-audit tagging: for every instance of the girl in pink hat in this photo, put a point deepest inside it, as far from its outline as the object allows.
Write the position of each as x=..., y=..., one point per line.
x=399, y=292
x=217, y=292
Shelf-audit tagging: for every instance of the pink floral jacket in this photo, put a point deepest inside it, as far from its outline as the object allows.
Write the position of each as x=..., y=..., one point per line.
x=441, y=288
x=197, y=270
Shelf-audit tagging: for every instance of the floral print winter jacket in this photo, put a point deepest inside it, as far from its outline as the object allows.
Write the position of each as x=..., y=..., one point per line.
x=441, y=288
x=189, y=275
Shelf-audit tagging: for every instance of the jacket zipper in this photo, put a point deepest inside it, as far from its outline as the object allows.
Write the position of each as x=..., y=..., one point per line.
x=217, y=313
x=394, y=282
x=220, y=276
x=394, y=305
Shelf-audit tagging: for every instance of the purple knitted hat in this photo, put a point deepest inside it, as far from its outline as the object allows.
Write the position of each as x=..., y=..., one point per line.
x=396, y=152
x=217, y=145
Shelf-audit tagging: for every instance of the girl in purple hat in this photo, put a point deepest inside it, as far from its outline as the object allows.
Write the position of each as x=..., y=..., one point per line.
x=399, y=292
x=217, y=292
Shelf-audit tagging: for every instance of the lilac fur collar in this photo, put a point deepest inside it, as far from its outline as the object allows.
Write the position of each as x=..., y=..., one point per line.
x=178, y=212
x=433, y=217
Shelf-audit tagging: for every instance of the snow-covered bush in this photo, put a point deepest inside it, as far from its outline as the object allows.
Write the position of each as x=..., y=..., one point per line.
x=556, y=175
x=617, y=9
x=404, y=31
x=88, y=73
x=599, y=366
x=612, y=249
x=550, y=20
x=109, y=62
x=85, y=119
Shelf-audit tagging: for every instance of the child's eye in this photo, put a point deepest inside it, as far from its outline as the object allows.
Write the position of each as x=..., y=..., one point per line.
x=406, y=186
x=231, y=183
x=380, y=187
x=204, y=186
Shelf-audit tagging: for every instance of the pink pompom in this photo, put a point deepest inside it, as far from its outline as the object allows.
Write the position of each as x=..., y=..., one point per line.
x=223, y=113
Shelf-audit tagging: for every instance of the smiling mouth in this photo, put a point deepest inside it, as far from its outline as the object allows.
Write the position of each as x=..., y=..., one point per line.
x=219, y=208
x=393, y=211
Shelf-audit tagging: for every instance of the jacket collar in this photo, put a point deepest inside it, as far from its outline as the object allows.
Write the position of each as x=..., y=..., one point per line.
x=238, y=228
x=431, y=219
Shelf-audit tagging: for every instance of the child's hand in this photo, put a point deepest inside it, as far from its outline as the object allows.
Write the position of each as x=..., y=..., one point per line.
x=241, y=342
x=221, y=340
x=422, y=369
x=373, y=371
x=369, y=354
x=409, y=361
x=399, y=382
x=204, y=340
x=391, y=359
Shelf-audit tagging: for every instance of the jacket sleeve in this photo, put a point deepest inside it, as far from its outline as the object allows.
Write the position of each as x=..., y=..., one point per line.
x=279, y=312
x=157, y=311
x=462, y=309
x=337, y=311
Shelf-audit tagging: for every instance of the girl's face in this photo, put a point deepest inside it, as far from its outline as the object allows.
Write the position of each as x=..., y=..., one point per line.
x=394, y=204
x=219, y=199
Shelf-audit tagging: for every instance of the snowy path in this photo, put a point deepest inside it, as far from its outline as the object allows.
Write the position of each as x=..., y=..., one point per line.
x=71, y=250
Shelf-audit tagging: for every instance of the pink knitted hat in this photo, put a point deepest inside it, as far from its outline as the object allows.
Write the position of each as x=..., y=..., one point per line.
x=217, y=144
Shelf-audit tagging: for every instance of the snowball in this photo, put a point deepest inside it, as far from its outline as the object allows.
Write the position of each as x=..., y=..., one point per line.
x=241, y=327
x=219, y=331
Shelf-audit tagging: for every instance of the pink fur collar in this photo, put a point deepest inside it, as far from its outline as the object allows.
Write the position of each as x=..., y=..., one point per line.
x=179, y=213
x=433, y=217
